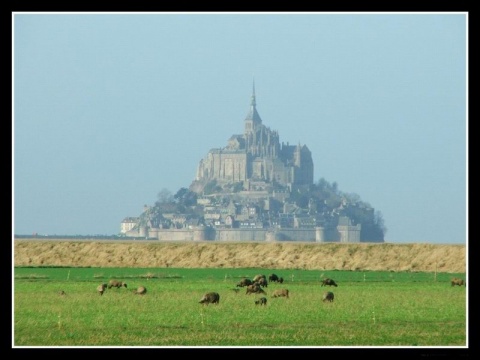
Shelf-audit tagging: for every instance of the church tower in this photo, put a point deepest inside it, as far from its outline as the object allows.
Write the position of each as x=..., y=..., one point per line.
x=253, y=119
x=253, y=128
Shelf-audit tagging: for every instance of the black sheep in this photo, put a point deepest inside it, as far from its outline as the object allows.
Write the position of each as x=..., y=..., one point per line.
x=261, y=301
x=210, y=298
x=328, y=282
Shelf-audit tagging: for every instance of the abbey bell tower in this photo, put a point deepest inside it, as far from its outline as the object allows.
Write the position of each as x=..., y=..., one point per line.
x=253, y=119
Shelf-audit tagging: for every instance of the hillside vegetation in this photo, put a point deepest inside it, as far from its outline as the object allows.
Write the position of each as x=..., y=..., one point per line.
x=277, y=255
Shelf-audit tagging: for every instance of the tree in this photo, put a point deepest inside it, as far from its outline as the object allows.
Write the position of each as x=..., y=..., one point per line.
x=378, y=220
x=165, y=196
x=210, y=187
x=185, y=197
x=238, y=186
x=180, y=195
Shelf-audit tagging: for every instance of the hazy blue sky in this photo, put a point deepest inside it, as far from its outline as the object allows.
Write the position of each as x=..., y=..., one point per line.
x=109, y=109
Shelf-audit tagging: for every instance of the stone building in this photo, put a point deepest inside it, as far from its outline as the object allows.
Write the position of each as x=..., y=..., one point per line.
x=256, y=157
x=128, y=224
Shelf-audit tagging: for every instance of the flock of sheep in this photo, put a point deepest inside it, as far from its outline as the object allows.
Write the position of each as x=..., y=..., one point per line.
x=259, y=282
x=254, y=286
x=141, y=290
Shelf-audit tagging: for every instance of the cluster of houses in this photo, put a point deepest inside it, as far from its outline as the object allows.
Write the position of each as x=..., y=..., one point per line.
x=232, y=219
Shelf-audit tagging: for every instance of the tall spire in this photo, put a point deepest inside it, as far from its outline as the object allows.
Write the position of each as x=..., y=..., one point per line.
x=252, y=119
x=253, y=103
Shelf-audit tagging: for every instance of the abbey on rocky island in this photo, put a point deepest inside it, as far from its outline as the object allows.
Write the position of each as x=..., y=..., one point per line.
x=257, y=189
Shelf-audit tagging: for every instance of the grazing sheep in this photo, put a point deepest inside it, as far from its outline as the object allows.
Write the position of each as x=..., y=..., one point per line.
x=255, y=289
x=280, y=293
x=258, y=277
x=116, y=283
x=457, y=281
x=262, y=282
x=328, y=282
x=273, y=278
x=210, y=298
x=244, y=282
x=261, y=301
x=101, y=288
x=141, y=290
x=328, y=296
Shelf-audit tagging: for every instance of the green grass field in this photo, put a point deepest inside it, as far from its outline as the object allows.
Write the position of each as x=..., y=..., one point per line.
x=370, y=309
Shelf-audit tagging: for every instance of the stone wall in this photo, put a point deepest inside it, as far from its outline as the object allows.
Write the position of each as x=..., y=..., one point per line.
x=240, y=234
x=346, y=234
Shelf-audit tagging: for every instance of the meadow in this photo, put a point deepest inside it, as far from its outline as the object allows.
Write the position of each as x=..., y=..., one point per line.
x=371, y=308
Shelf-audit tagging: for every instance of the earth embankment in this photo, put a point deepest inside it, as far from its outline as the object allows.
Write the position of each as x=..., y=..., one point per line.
x=276, y=255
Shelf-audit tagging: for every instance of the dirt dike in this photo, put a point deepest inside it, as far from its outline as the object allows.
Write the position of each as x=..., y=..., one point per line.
x=276, y=255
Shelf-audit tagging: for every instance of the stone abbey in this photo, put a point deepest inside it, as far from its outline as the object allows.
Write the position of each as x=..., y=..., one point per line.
x=249, y=190
x=257, y=156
